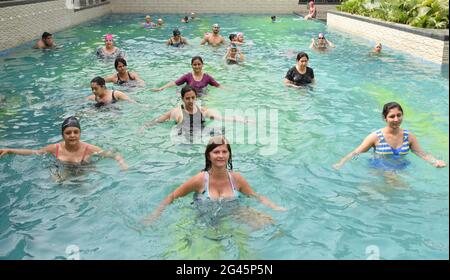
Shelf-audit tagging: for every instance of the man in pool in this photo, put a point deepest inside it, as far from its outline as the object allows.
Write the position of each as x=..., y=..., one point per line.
x=46, y=42
x=214, y=39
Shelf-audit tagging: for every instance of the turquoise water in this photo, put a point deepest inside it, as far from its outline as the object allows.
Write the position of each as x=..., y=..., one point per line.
x=331, y=215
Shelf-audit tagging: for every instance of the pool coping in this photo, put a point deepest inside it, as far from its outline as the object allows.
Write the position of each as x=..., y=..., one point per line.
x=439, y=34
x=22, y=2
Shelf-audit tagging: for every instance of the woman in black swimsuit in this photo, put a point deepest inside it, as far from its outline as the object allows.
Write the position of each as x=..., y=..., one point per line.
x=123, y=77
x=104, y=96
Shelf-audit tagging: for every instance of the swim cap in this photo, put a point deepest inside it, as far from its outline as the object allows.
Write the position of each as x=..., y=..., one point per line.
x=70, y=122
x=176, y=32
x=215, y=25
x=108, y=37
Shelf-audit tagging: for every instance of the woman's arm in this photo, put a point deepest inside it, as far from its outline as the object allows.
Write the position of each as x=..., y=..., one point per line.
x=191, y=185
x=122, y=96
x=160, y=119
x=415, y=147
x=168, y=85
x=313, y=44
x=364, y=147
x=116, y=156
x=330, y=43
x=111, y=79
x=27, y=152
x=137, y=78
x=245, y=188
x=289, y=83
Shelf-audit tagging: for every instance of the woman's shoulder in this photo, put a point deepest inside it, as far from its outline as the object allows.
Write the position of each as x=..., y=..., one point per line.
x=237, y=176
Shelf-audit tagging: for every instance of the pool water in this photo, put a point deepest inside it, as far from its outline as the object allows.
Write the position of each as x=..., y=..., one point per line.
x=355, y=213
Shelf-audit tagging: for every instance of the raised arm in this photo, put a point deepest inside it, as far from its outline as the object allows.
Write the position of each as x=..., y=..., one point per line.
x=245, y=188
x=191, y=185
x=330, y=43
x=168, y=85
x=415, y=147
x=313, y=44
x=364, y=147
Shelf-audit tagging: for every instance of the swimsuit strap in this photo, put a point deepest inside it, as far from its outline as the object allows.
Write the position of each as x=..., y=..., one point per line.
x=57, y=150
x=129, y=76
x=206, y=184
x=405, y=135
x=233, y=185
x=380, y=136
x=113, y=97
x=85, y=152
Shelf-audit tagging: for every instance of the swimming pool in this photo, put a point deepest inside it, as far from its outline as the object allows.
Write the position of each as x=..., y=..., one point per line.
x=356, y=213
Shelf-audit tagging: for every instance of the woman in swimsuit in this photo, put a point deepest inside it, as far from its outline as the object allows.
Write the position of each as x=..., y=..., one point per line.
x=104, y=96
x=177, y=40
x=392, y=140
x=109, y=51
x=123, y=77
x=190, y=117
x=71, y=150
x=216, y=181
x=196, y=79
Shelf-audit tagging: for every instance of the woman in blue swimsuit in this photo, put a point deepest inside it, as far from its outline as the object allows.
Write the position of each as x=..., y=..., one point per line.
x=391, y=142
x=216, y=182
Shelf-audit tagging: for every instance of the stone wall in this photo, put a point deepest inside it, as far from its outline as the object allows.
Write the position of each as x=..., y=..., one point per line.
x=430, y=45
x=205, y=6
x=22, y=23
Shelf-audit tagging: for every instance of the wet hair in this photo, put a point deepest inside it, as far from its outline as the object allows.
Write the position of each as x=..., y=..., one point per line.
x=389, y=106
x=302, y=54
x=232, y=36
x=273, y=17
x=213, y=143
x=176, y=32
x=186, y=89
x=99, y=81
x=45, y=35
x=186, y=18
x=119, y=59
x=196, y=58
x=70, y=122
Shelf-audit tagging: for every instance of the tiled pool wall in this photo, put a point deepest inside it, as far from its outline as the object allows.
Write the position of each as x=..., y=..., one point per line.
x=205, y=6
x=22, y=23
x=431, y=45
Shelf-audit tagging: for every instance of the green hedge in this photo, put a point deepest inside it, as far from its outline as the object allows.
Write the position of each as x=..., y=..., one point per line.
x=418, y=13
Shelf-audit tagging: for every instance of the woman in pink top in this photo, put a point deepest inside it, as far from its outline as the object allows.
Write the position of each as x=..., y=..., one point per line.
x=196, y=79
x=71, y=150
